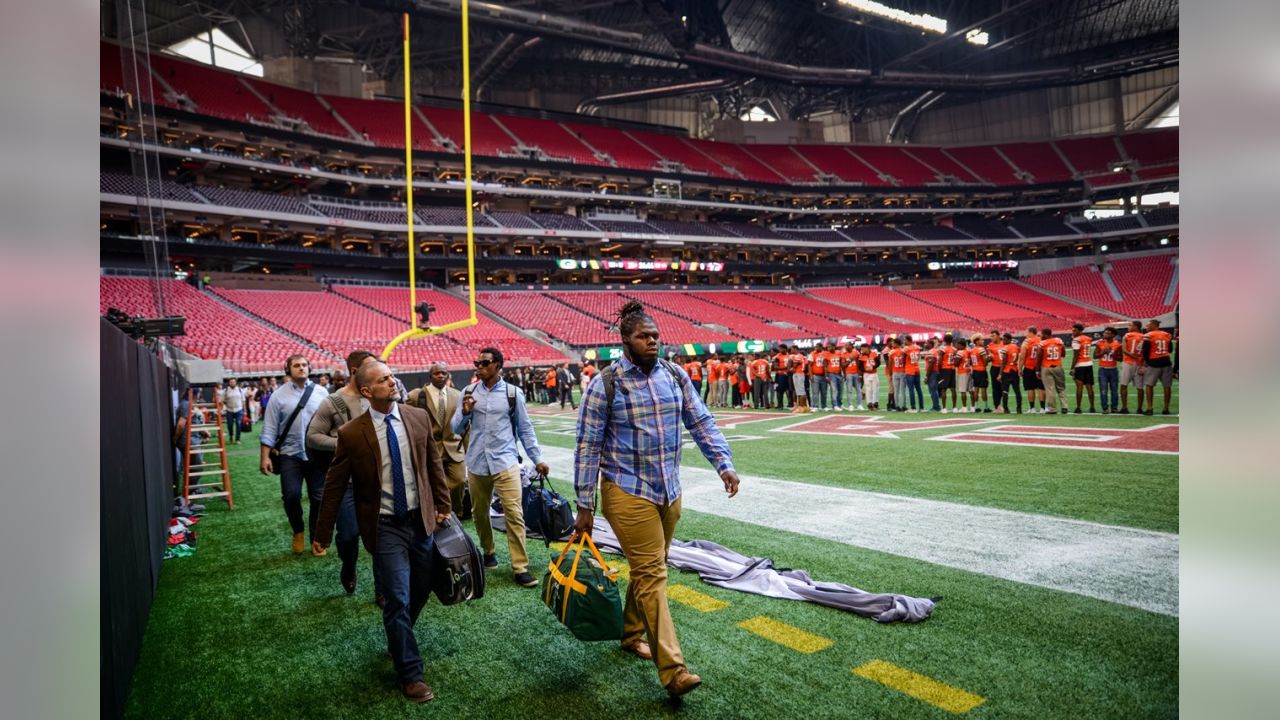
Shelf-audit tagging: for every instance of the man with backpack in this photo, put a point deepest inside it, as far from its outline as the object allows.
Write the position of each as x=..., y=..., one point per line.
x=494, y=414
x=283, y=447
x=628, y=445
x=337, y=409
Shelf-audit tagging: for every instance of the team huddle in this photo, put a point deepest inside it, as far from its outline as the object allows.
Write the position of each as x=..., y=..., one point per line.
x=961, y=375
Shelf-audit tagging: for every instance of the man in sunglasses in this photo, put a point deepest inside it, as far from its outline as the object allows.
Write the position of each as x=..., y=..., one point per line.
x=495, y=415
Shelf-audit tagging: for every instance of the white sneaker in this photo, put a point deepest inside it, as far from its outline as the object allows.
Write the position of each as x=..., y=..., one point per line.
x=945, y=411
x=862, y=408
x=837, y=409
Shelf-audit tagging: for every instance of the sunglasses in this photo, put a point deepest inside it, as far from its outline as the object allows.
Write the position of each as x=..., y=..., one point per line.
x=483, y=363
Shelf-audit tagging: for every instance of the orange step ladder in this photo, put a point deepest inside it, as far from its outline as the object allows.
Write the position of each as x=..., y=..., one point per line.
x=212, y=479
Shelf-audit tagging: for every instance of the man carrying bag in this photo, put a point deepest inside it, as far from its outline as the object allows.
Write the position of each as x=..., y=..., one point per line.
x=629, y=444
x=284, y=450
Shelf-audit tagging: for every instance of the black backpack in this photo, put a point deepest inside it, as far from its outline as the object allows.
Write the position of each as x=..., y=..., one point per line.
x=457, y=571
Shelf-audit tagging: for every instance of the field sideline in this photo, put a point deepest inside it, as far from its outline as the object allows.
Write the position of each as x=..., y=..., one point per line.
x=244, y=628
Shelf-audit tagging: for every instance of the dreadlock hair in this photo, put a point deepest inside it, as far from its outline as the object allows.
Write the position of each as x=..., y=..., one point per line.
x=631, y=315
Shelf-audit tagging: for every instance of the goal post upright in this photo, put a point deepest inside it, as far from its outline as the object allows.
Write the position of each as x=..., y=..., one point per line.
x=471, y=319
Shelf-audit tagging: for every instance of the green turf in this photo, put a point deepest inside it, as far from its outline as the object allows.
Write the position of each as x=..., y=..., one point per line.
x=1129, y=489
x=247, y=630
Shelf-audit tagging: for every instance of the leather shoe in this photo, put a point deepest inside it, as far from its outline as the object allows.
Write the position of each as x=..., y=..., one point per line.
x=524, y=579
x=640, y=649
x=684, y=682
x=418, y=692
x=299, y=543
x=348, y=580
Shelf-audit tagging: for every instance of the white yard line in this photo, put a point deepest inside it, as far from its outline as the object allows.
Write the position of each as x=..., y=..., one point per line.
x=1129, y=566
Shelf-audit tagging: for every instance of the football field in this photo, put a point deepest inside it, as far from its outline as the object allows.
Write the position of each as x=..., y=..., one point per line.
x=1051, y=541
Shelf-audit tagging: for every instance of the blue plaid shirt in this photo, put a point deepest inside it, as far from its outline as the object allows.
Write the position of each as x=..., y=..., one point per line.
x=638, y=445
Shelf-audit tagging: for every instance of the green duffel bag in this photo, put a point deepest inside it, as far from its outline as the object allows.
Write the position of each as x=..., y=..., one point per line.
x=582, y=596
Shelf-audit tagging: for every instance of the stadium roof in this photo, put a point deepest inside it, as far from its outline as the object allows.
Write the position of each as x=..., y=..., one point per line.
x=857, y=56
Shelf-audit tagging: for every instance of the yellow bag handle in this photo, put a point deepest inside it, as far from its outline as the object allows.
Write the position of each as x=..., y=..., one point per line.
x=573, y=578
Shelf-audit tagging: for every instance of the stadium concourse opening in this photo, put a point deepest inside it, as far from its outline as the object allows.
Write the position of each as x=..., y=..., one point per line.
x=765, y=273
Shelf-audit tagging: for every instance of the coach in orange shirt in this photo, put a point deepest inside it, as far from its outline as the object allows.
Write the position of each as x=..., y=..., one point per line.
x=1131, y=370
x=911, y=383
x=1054, y=380
x=1157, y=356
x=694, y=368
x=1082, y=365
x=1029, y=361
x=1009, y=374
x=994, y=347
x=782, y=378
x=870, y=361
x=979, y=356
x=852, y=377
x=947, y=371
x=799, y=380
x=818, y=377
x=759, y=371
x=1107, y=352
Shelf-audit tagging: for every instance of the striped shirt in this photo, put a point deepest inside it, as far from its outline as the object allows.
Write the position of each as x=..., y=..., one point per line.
x=637, y=445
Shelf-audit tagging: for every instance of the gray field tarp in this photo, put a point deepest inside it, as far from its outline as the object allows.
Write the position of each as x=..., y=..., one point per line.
x=718, y=565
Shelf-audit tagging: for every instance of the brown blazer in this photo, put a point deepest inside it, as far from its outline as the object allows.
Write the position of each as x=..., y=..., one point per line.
x=358, y=461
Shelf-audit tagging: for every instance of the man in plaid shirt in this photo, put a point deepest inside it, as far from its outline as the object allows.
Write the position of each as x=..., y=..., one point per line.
x=632, y=447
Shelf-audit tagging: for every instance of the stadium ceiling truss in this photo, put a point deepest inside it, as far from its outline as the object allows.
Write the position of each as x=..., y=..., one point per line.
x=808, y=56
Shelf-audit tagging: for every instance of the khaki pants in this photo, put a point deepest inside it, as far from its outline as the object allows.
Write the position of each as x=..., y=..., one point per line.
x=455, y=474
x=1055, y=386
x=644, y=530
x=507, y=485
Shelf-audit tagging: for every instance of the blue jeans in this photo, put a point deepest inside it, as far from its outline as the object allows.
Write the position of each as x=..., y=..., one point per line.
x=294, y=471
x=853, y=388
x=933, y=391
x=402, y=559
x=1109, y=379
x=234, y=417
x=837, y=389
x=782, y=386
x=819, y=390
x=914, y=394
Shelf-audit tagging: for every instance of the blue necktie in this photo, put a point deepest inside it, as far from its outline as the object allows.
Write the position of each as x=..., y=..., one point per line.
x=399, y=503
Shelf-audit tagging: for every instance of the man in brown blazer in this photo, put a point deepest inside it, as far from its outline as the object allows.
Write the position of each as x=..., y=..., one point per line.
x=393, y=468
x=440, y=399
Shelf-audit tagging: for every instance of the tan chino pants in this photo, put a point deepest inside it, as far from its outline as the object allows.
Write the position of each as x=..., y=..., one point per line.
x=645, y=530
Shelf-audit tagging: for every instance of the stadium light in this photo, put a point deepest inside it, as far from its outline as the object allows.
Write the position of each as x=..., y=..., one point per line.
x=924, y=22
x=1104, y=248
x=977, y=36
x=1164, y=241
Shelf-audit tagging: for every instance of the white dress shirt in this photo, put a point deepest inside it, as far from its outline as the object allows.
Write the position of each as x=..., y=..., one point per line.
x=406, y=460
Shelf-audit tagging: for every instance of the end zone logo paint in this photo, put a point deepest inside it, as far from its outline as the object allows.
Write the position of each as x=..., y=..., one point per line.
x=1153, y=440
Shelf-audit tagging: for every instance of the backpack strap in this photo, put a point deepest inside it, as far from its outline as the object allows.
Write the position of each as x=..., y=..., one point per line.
x=340, y=405
x=511, y=415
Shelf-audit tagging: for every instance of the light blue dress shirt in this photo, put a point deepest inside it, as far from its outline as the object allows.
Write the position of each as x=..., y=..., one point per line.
x=492, y=446
x=384, y=453
x=280, y=407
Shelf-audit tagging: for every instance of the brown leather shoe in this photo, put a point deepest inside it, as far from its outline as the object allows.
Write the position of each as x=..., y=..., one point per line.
x=684, y=682
x=639, y=648
x=299, y=543
x=418, y=692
